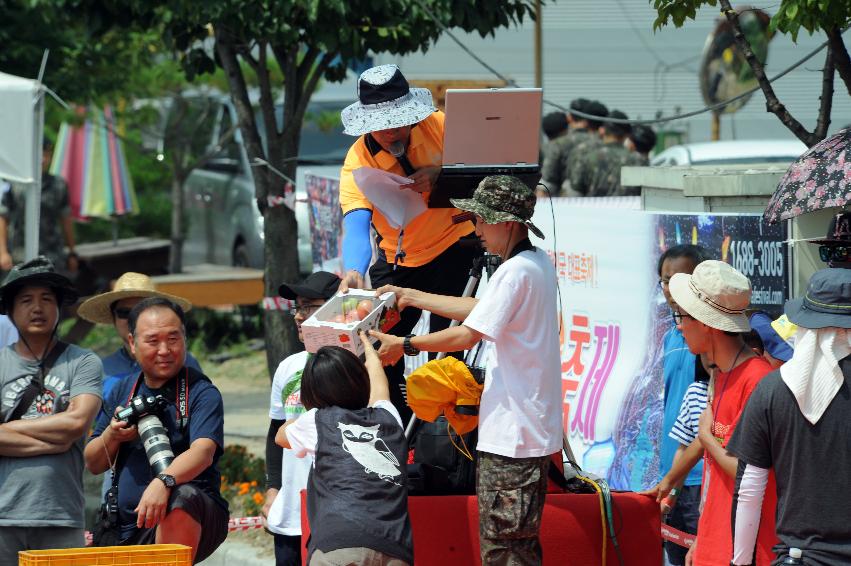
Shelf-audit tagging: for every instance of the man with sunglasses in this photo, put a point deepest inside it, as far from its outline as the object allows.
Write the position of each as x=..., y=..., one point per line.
x=286, y=475
x=835, y=249
x=114, y=308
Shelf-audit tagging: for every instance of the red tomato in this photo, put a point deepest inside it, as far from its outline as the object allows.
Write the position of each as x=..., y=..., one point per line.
x=364, y=308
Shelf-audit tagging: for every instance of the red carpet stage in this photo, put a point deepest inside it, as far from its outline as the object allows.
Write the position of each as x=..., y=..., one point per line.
x=446, y=530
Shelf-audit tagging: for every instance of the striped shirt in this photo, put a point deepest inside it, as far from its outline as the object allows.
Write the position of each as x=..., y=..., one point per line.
x=684, y=430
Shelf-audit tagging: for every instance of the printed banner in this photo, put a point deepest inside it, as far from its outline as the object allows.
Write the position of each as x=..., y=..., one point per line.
x=614, y=317
x=326, y=222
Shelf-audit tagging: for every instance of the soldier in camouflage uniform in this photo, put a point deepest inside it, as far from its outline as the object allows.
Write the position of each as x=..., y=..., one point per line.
x=555, y=169
x=520, y=415
x=595, y=169
x=56, y=224
x=641, y=140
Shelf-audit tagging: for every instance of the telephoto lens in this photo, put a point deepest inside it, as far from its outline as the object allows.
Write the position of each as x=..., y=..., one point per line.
x=156, y=443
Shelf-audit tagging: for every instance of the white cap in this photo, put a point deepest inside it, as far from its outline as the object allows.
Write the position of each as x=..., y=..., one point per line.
x=795, y=553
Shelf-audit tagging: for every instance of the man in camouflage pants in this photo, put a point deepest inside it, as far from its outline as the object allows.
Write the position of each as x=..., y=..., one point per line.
x=56, y=224
x=555, y=168
x=595, y=168
x=520, y=415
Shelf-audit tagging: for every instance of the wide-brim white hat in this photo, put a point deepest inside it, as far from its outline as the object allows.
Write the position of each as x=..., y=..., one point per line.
x=715, y=294
x=131, y=285
x=385, y=101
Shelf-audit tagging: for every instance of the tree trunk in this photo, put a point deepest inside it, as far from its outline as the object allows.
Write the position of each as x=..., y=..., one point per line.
x=841, y=60
x=279, y=226
x=176, y=252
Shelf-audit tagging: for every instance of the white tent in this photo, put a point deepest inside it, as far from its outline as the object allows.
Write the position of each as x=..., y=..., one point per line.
x=22, y=119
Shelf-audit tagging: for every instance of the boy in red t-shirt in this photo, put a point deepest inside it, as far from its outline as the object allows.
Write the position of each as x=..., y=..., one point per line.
x=710, y=312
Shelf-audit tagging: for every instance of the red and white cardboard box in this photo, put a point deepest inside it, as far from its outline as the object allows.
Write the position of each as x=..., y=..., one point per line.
x=321, y=329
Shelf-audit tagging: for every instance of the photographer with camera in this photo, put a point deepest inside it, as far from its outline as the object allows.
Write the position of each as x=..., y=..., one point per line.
x=162, y=433
x=520, y=414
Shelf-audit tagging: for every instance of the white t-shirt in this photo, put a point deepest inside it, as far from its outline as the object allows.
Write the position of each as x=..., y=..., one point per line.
x=285, y=404
x=303, y=436
x=521, y=408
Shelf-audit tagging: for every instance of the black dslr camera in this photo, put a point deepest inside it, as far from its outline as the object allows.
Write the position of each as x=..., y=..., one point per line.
x=140, y=407
x=145, y=413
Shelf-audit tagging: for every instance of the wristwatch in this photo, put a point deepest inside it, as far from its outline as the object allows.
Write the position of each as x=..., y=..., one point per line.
x=408, y=347
x=167, y=480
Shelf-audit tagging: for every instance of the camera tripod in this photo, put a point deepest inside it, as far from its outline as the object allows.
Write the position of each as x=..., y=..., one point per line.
x=485, y=262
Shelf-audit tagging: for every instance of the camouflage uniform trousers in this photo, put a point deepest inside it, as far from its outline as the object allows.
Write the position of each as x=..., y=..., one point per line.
x=511, y=493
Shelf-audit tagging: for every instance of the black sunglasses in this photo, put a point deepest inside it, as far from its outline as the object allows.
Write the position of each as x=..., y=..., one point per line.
x=121, y=313
x=833, y=253
x=679, y=316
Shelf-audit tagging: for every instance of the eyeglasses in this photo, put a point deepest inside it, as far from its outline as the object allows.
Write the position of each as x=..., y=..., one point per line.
x=121, y=313
x=664, y=283
x=305, y=310
x=679, y=316
x=833, y=253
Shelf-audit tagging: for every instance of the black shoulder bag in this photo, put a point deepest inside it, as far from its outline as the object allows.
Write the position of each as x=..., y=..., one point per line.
x=36, y=385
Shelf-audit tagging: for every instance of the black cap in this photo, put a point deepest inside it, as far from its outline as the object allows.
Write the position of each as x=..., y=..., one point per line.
x=838, y=231
x=38, y=271
x=319, y=285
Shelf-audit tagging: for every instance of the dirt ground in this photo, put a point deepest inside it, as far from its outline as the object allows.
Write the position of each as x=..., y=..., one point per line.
x=244, y=384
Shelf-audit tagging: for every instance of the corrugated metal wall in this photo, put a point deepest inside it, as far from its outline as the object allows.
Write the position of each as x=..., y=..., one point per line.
x=607, y=50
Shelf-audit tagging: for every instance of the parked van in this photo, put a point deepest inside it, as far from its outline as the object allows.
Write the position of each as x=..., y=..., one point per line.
x=224, y=225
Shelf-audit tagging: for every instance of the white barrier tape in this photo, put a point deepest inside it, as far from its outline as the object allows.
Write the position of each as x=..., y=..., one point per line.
x=677, y=536
x=234, y=524
x=244, y=523
x=277, y=304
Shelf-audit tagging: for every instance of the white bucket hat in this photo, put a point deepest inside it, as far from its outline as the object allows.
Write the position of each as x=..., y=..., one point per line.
x=385, y=100
x=715, y=294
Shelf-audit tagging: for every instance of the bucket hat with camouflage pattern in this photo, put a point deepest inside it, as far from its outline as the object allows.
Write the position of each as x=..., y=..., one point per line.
x=502, y=198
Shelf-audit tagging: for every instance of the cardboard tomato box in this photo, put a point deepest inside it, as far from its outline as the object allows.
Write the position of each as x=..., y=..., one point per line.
x=338, y=321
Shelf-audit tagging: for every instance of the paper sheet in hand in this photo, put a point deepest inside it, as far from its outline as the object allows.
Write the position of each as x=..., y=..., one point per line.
x=398, y=205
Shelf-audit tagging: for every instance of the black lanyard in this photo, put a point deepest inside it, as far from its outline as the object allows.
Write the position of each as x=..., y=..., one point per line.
x=522, y=246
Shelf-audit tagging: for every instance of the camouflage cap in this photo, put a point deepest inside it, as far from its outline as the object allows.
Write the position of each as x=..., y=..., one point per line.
x=502, y=198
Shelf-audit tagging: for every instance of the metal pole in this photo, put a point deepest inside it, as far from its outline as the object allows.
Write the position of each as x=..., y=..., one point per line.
x=539, y=75
x=32, y=209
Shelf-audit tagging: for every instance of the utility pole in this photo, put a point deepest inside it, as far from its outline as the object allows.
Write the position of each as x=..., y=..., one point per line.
x=539, y=75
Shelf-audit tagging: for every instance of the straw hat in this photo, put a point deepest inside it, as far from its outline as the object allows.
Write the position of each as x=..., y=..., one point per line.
x=715, y=294
x=128, y=286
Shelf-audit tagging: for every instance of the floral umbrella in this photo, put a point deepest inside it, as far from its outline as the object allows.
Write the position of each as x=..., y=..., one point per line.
x=821, y=178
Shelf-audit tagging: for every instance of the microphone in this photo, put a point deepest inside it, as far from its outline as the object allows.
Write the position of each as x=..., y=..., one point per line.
x=397, y=149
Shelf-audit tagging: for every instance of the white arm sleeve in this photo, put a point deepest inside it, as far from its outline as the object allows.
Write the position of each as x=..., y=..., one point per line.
x=748, y=510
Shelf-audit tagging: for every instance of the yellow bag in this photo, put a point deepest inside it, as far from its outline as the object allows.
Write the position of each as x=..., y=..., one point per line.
x=438, y=386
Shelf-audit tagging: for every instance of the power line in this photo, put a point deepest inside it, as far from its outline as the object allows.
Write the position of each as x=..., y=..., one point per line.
x=710, y=108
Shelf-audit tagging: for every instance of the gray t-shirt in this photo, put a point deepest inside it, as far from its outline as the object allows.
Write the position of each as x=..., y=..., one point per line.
x=47, y=490
x=812, y=466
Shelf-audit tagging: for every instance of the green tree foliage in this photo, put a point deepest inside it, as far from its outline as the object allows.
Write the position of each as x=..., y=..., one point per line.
x=831, y=17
